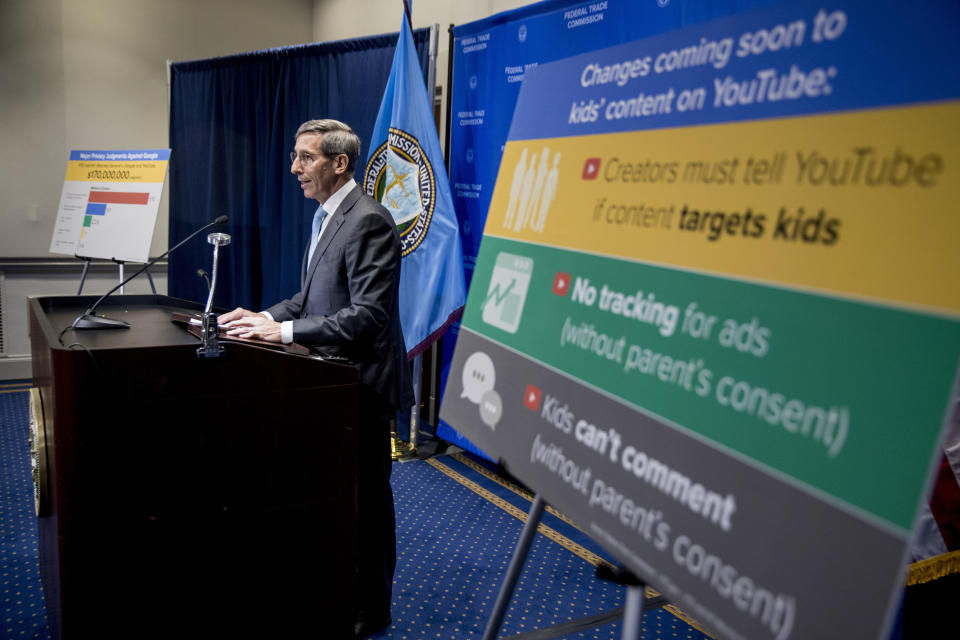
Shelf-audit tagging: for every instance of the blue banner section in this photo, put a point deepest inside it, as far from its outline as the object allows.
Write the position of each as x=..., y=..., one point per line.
x=111, y=155
x=490, y=60
x=788, y=60
x=405, y=172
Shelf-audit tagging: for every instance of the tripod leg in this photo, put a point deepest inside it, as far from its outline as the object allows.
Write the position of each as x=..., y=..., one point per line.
x=513, y=571
x=83, y=276
x=152, y=286
x=633, y=613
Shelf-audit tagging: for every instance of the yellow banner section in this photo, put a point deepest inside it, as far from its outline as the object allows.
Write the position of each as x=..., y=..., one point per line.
x=862, y=203
x=126, y=171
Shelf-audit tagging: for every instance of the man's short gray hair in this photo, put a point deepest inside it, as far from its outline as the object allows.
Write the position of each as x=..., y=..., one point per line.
x=337, y=138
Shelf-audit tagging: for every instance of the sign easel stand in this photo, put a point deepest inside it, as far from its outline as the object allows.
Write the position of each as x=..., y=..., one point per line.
x=86, y=266
x=83, y=276
x=632, y=612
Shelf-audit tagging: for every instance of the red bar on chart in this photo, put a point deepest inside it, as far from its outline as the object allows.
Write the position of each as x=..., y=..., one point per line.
x=118, y=197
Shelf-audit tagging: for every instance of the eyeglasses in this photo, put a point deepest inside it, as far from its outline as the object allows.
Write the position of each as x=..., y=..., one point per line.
x=306, y=159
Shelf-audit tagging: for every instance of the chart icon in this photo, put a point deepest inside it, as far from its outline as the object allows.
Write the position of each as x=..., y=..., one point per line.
x=507, y=292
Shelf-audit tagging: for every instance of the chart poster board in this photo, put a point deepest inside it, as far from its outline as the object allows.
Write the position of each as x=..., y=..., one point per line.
x=715, y=316
x=109, y=202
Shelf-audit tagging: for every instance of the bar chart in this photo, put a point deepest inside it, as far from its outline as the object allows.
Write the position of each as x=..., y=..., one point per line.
x=115, y=222
x=109, y=203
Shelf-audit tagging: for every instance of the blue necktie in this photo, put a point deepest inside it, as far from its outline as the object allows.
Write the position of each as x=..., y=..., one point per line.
x=315, y=231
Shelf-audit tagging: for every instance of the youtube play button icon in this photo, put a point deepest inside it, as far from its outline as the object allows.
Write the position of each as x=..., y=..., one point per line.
x=561, y=283
x=531, y=397
x=591, y=169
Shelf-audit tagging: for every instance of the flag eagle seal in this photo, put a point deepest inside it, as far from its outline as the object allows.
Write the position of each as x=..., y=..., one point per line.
x=399, y=175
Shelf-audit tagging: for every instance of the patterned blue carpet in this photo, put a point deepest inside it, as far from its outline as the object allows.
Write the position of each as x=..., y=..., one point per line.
x=21, y=597
x=457, y=525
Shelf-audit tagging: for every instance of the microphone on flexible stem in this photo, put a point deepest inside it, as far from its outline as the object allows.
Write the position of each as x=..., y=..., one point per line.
x=88, y=320
x=211, y=348
x=202, y=273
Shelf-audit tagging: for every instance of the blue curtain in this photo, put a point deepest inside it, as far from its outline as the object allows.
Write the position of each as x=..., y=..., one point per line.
x=232, y=122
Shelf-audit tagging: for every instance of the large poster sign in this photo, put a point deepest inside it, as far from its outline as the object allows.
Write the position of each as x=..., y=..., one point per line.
x=490, y=59
x=109, y=203
x=714, y=316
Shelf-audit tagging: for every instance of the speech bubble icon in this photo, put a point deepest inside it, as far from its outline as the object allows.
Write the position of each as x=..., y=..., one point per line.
x=491, y=408
x=478, y=376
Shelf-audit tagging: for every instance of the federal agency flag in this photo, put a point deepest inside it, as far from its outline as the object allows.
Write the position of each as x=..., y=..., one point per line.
x=405, y=172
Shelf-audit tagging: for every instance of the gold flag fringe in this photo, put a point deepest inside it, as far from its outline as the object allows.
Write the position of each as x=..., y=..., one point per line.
x=934, y=568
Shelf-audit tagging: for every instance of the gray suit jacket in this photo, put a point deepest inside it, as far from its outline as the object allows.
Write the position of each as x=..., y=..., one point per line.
x=348, y=301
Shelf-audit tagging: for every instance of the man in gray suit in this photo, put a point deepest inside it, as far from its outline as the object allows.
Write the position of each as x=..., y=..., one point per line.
x=347, y=307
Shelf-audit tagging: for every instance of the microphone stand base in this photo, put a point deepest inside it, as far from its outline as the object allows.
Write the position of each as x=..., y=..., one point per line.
x=211, y=348
x=87, y=321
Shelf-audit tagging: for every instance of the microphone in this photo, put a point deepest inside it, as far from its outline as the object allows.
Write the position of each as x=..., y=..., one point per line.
x=202, y=273
x=88, y=320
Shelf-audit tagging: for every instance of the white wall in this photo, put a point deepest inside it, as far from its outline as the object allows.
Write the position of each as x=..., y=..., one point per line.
x=92, y=74
x=32, y=124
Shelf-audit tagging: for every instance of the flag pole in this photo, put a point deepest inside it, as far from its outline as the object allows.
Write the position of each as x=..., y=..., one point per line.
x=400, y=450
x=407, y=113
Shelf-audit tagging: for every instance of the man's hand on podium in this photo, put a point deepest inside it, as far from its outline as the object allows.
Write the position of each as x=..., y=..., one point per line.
x=243, y=323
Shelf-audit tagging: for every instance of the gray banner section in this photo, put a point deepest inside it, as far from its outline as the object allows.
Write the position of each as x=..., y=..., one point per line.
x=745, y=553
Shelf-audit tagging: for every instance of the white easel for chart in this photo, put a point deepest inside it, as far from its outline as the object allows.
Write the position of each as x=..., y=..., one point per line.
x=120, y=263
x=108, y=207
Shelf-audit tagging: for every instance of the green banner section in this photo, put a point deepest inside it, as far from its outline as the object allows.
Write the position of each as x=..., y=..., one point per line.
x=831, y=392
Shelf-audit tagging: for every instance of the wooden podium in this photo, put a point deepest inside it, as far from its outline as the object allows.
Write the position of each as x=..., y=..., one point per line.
x=190, y=497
